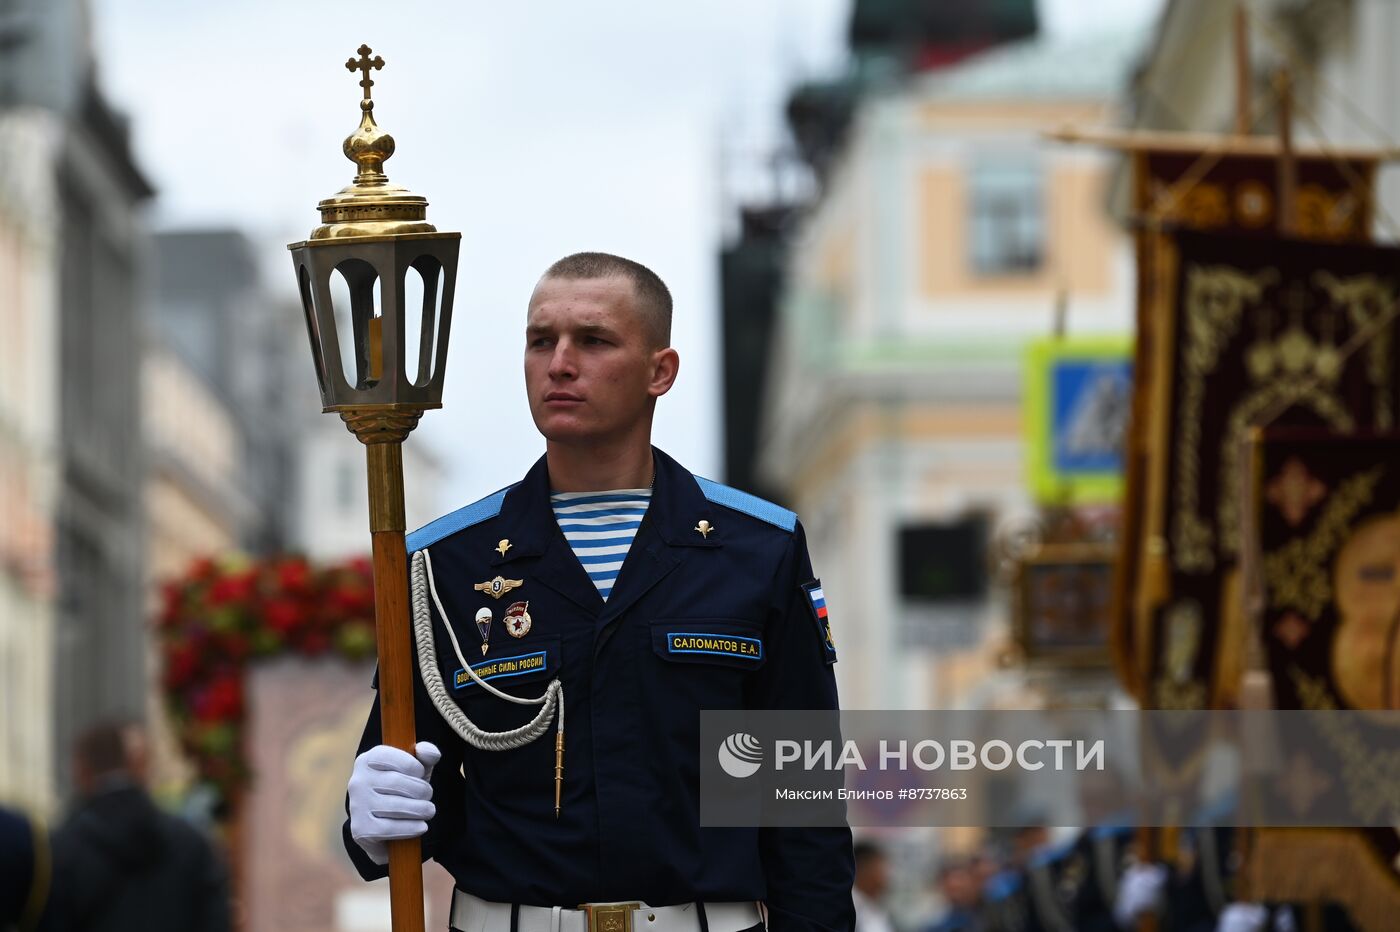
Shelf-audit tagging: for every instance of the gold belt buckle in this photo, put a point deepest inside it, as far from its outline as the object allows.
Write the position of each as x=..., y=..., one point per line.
x=609, y=917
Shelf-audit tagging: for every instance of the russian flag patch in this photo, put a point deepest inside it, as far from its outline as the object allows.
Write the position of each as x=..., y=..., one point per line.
x=816, y=600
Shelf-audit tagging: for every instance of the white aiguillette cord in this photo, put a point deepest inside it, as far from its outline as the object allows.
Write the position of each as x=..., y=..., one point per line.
x=553, y=696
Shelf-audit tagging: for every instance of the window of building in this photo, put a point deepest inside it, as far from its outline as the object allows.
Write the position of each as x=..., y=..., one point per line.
x=1007, y=223
x=944, y=561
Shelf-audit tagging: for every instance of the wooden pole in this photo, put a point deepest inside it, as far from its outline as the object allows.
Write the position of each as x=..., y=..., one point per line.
x=1287, y=159
x=386, y=519
x=1244, y=121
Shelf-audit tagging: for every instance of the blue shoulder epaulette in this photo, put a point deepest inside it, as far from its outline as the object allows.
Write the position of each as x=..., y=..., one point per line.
x=462, y=518
x=749, y=504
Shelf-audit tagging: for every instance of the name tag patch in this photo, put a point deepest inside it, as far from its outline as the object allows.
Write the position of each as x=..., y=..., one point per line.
x=502, y=667
x=725, y=645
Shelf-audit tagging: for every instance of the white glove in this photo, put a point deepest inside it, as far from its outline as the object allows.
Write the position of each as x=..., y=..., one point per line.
x=390, y=796
x=1139, y=891
x=1242, y=917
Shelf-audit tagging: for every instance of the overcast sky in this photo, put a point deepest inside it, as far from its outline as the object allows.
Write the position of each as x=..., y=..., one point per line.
x=535, y=128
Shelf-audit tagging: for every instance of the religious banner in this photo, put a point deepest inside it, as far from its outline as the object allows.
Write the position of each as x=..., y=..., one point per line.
x=1238, y=192
x=304, y=722
x=1181, y=186
x=1252, y=332
x=1327, y=513
x=1061, y=604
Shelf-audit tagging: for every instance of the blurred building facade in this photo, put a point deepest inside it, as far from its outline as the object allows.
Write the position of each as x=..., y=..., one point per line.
x=28, y=463
x=1341, y=55
x=76, y=240
x=888, y=41
x=332, y=511
x=213, y=310
x=300, y=473
x=195, y=504
x=948, y=236
x=194, y=500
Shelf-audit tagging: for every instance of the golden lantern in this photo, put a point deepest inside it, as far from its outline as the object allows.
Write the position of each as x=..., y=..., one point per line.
x=374, y=236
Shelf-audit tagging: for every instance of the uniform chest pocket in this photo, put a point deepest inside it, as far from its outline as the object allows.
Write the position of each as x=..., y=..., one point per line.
x=714, y=641
x=517, y=665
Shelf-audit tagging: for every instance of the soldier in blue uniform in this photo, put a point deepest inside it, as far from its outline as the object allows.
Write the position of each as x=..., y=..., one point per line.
x=570, y=629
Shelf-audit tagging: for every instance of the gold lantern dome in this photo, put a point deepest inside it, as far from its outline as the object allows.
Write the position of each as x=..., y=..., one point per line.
x=384, y=348
x=370, y=205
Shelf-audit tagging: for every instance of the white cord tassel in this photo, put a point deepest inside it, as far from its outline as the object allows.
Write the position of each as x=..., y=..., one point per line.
x=552, y=698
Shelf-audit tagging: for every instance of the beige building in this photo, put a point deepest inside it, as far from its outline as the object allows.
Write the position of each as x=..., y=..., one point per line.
x=948, y=234
x=194, y=505
x=332, y=508
x=28, y=444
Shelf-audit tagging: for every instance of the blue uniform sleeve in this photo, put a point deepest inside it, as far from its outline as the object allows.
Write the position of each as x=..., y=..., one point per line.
x=448, y=783
x=809, y=871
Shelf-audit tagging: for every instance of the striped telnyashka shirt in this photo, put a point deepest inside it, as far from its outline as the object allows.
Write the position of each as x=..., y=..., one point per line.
x=599, y=527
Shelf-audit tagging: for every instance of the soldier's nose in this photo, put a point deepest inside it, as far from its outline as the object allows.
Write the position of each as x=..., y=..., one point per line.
x=561, y=366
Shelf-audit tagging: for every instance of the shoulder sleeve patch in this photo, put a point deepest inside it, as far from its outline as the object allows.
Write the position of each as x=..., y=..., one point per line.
x=462, y=518
x=751, y=505
x=816, y=601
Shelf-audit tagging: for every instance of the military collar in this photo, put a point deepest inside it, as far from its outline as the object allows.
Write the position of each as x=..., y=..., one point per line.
x=678, y=505
x=525, y=518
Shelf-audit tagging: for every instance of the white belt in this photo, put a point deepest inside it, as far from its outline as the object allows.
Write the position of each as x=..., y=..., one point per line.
x=473, y=914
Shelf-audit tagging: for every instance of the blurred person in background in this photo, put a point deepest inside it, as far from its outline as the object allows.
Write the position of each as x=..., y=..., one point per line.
x=961, y=889
x=1076, y=883
x=120, y=863
x=871, y=885
x=24, y=871
x=1006, y=894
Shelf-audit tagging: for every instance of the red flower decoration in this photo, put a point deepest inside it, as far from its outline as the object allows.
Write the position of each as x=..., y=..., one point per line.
x=181, y=662
x=293, y=576
x=284, y=616
x=221, y=700
x=232, y=589
x=216, y=619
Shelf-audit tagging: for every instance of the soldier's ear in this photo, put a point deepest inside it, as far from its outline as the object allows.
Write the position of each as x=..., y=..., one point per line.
x=665, y=364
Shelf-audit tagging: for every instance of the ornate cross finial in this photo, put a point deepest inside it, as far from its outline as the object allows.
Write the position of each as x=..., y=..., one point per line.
x=364, y=64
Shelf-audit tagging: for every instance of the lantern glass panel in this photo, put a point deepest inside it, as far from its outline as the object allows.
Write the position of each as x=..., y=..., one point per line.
x=313, y=330
x=412, y=321
x=344, y=329
x=357, y=301
x=423, y=290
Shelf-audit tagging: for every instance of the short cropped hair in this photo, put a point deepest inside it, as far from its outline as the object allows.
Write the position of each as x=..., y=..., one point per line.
x=653, y=297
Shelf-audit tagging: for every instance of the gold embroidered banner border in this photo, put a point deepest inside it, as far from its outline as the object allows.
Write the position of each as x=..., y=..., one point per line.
x=1235, y=192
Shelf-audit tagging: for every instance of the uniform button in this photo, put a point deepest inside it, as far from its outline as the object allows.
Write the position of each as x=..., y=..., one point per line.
x=651, y=917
